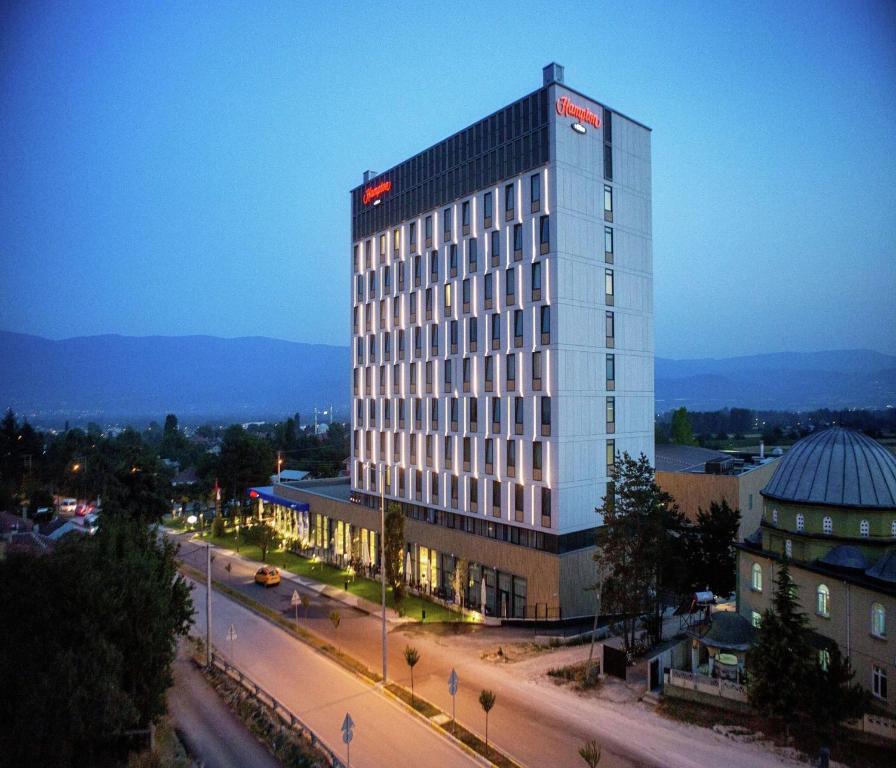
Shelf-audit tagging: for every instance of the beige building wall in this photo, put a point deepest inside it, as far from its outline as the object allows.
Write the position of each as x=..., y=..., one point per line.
x=695, y=490
x=849, y=622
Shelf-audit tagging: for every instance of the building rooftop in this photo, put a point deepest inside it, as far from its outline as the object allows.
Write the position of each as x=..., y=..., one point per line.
x=685, y=458
x=330, y=488
x=836, y=467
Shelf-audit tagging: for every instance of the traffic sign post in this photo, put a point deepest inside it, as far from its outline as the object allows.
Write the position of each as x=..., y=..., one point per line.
x=231, y=635
x=295, y=601
x=452, y=689
x=347, y=735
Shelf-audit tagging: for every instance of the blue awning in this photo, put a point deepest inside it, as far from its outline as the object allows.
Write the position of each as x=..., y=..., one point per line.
x=266, y=493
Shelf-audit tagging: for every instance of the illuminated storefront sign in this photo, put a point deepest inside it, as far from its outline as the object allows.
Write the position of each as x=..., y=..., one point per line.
x=566, y=108
x=376, y=191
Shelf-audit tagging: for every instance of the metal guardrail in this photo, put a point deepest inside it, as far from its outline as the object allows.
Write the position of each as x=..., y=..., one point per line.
x=287, y=717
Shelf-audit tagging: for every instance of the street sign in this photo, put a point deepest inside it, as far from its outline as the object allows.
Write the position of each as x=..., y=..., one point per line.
x=231, y=633
x=295, y=600
x=347, y=725
x=452, y=683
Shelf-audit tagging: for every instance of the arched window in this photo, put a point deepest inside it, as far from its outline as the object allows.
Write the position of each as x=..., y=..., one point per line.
x=757, y=577
x=828, y=525
x=864, y=528
x=878, y=620
x=788, y=549
x=800, y=521
x=823, y=600
x=775, y=516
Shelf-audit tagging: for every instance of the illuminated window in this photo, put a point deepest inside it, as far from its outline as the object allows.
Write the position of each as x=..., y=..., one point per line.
x=800, y=521
x=864, y=528
x=878, y=620
x=755, y=619
x=893, y=529
x=775, y=516
x=824, y=659
x=608, y=285
x=788, y=549
x=823, y=600
x=827, y=525
x=756, y=581
x=608, y=198
x=611, y=410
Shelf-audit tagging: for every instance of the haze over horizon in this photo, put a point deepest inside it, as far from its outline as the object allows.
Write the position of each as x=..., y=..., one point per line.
x=187, y=171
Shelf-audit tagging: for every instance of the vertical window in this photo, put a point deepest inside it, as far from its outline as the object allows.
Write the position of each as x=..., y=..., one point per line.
x=496, y=414
x=756, y=579
x=465, y=216
x=396, y=240
x=535, y=192
x=356, y=261
x=446, y=224
x=518, y=328
x=496, y=330
x=518, y=496
x=496, y=248
x=489, y=455
x=879, y=681
x=473, y=333
x=609, y=285
x=448, y=298
x=608, y=244
x=611, y=411
x=382, y=248
x=544, y=234
x=496, y=498
x=488, y=291
x=511, y=371
x=545, y=324
x=824, y=659
x=800, y=521
x=434, y=267
x=489, y=373
x=537, y=459
x=611, y=371
x=413, y=235
x=518, y=415
x=775, y=516
x=536, y=370
x=509, y=198
x=536, y=281
x=545, y=507
x=878, y=620
x=823, y=600
x=611, y=329
x=472, y=254
x=788, y=549
x=487, y=209
x=428, y=231
x=545, y=416
x=611, y=456
x=608, y=199
x=448, y=454
x=608, y=161
x=452, y=260
x=755, y=619
x=864, y=528
x=465, y=287
x=517, y=241
x=511, y=458
x=510, y=285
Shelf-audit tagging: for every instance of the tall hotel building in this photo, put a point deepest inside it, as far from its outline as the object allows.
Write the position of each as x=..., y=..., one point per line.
x=502, y=328
x=502, y=353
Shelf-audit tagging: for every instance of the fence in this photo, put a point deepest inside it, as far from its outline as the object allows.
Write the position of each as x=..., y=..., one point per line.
x=877, y=725
x=287, y=717
x=714, y=686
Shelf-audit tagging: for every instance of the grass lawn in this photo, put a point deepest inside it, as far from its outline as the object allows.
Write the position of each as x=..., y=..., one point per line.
x=369, y=589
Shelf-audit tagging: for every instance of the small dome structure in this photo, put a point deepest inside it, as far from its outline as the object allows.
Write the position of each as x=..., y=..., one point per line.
x=845, y=556
x=885, y=567
x=836, y=467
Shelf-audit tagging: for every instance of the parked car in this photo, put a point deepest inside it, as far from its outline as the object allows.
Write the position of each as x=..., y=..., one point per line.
x=91, y=523
x=267, y=576
x=68, y=506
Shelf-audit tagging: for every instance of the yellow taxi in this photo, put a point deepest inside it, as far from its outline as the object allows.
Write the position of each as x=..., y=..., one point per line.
x=268, y=576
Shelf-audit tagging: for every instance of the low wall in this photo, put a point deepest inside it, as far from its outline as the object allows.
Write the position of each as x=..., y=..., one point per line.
x=876, y=725
x=706, y=690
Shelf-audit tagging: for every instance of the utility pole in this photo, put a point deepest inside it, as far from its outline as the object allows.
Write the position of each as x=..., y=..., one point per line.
x=208, y=605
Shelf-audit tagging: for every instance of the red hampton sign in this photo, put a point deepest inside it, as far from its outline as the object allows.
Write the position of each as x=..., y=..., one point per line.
x=372, y=193
x=565, y=107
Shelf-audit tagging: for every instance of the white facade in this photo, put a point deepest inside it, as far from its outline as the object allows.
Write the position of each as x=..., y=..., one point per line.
x=402, y=337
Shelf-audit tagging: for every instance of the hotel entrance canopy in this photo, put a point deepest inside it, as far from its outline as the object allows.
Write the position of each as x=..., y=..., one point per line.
x=266, y=493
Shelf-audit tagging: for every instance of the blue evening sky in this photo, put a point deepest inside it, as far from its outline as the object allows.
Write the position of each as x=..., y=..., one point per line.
x=184, y=167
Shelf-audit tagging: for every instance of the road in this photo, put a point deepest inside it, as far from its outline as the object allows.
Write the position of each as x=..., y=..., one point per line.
x=212, y=733
x=320, y=692
x=534, y=723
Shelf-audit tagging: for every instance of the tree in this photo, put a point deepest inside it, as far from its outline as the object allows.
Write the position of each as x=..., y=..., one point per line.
x=833, y=698
x=713, y=557
x=460, y=580
x=264, y=536
x=486, y=701
x=779, y=664
x=590, y=752
x=95, y=660
x=682, y=434
x=394, y=543
x=643, y=547
x=411, y=656
x=597, y=588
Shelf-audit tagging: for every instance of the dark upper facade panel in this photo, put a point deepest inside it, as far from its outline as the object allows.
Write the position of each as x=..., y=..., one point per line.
x=504, y=144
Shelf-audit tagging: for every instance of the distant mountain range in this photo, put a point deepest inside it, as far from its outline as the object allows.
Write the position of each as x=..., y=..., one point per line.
x=108, y=378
